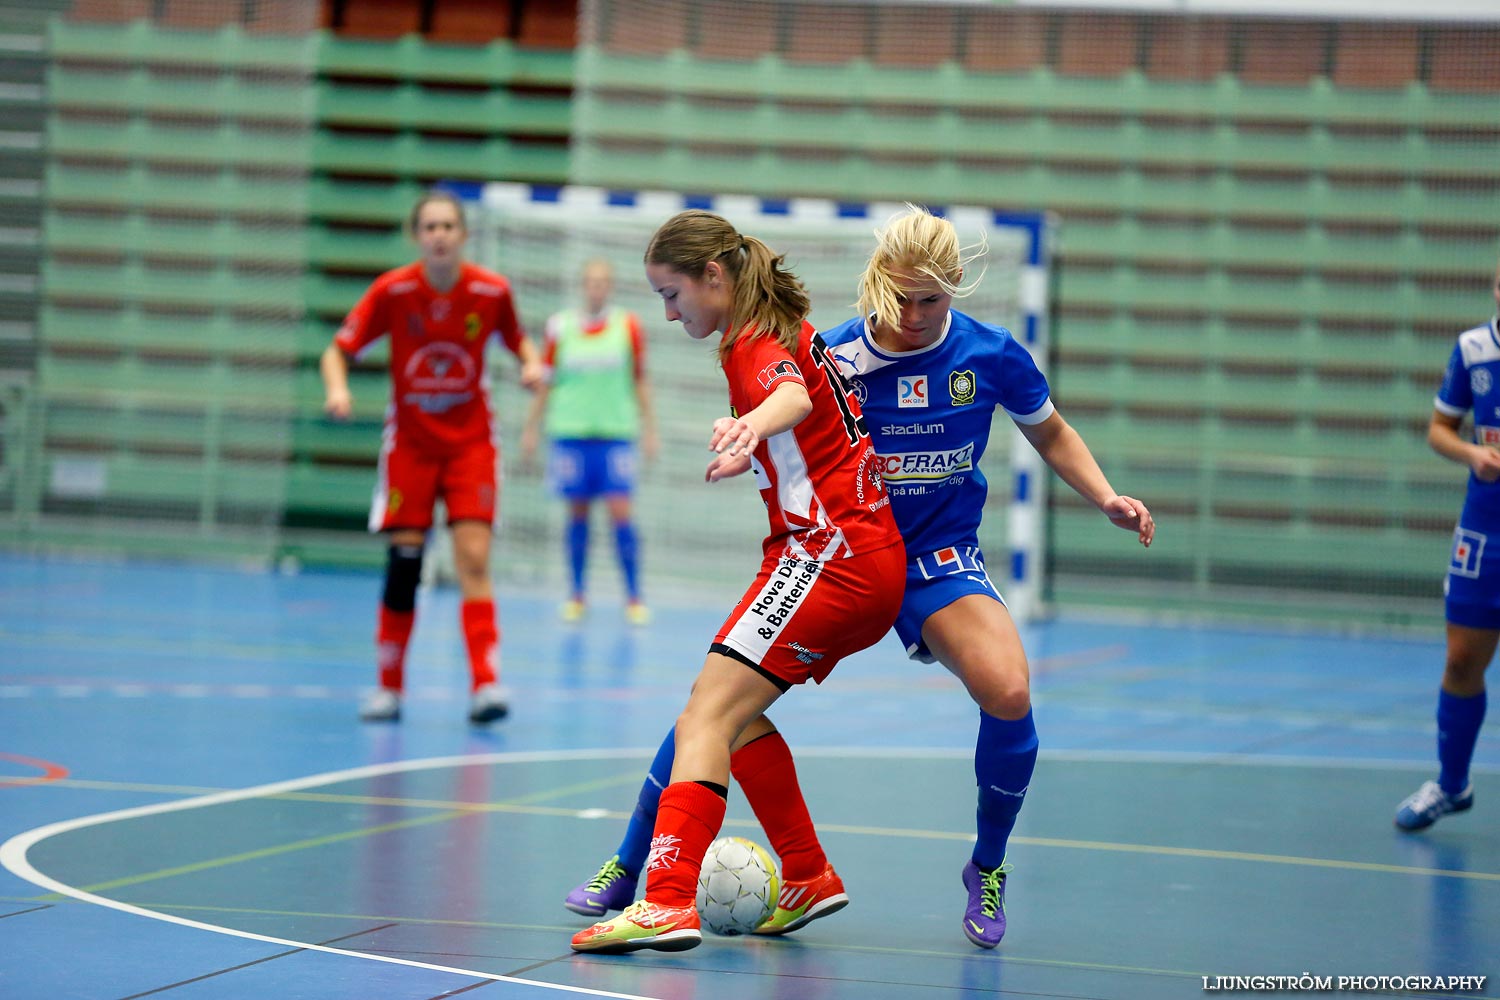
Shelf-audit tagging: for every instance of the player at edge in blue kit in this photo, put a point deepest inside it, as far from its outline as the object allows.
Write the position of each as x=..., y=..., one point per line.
x=1471, y=589
x=928, y=379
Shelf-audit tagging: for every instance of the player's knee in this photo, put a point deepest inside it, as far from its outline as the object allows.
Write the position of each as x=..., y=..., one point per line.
x=403, y=571
x=698, y=728
x=1464, y=678
x=1009, y=700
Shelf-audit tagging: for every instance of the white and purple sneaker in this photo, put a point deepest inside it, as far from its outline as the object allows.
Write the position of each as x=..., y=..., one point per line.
x=613, y=888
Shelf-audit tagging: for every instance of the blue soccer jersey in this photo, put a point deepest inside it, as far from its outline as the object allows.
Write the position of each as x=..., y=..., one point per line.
x=1472, y=382
x=929, y=414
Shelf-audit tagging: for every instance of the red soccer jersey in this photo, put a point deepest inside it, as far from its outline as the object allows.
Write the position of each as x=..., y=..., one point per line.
x=439, y=387
x=820, y=480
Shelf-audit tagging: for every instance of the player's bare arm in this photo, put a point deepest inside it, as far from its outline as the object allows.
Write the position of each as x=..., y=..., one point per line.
x=533, y=370
x=734, y=439
x=786, y=407
x=338, y=403
x=531, y=432
x=1064, y=450
x=650, y=439
x=1444, y=438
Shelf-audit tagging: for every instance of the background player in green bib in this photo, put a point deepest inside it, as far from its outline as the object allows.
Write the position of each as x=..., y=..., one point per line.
x=595, y=405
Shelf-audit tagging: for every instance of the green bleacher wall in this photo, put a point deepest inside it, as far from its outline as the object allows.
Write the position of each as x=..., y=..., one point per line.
x=1258, y=282
x=215, y=201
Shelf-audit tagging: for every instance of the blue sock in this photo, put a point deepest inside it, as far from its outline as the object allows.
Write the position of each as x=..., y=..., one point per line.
x=1004, y=758
x=637, y=843
x=1458, y=722
x=578, y=551
x=629, y=552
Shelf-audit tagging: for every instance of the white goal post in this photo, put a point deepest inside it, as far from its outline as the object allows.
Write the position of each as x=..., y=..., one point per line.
x=696, y=535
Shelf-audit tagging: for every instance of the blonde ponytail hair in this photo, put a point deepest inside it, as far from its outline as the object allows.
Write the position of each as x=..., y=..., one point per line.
x=916, y=240
x=769, y=300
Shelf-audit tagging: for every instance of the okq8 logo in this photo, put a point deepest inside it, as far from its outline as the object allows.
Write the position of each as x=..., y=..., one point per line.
x=911, y=391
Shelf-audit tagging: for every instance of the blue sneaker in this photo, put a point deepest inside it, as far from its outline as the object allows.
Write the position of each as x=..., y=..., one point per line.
x=1430, y=803
x=613, y=888
x=984, y=920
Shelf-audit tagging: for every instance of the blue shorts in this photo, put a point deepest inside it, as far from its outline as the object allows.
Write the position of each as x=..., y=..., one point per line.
x=1471, y=591
x=933, y=582
x=584, y=469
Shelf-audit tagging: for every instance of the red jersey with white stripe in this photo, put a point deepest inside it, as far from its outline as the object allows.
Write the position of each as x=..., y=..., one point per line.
x=439, y=386
x=820, y=480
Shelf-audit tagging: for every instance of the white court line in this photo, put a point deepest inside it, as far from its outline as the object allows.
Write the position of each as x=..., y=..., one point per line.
x=13, y=853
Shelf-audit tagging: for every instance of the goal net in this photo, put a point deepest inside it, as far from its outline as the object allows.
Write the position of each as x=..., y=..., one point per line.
x=697, y=535
x=1275, y=220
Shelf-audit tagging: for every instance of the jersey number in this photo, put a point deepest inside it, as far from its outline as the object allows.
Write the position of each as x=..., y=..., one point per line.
x=854, y=423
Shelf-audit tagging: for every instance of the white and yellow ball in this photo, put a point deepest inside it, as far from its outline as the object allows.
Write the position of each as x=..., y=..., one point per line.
x=738, y=886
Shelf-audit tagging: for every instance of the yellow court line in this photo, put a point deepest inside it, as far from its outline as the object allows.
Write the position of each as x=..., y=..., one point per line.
x=133, y=786
x=333, y=838
x=1185, y=852
x=506, y=805
x=596, y=785
x=1273, y=859
x=454, y=810
x=267, y=852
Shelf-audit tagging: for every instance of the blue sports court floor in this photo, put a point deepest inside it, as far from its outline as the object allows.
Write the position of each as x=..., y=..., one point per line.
x=190, y=809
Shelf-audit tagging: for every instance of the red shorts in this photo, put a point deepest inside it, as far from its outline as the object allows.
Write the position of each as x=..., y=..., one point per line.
x=799, y=618
x=411, y=479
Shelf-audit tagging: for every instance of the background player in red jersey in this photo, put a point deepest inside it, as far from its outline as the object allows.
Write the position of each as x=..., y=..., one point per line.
x=439, y=312
x=824, y=589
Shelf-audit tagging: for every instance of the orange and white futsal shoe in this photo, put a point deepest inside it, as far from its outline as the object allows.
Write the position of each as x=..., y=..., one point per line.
x=644, y=924
x=800, y=903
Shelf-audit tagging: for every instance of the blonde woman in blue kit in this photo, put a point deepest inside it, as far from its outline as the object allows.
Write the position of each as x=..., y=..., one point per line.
x=595, y=405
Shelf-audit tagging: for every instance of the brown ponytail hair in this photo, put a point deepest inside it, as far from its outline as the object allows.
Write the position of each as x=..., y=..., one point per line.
x=769, y=300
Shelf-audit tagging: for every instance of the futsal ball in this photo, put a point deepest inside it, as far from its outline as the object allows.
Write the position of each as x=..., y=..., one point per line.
x=738, y=886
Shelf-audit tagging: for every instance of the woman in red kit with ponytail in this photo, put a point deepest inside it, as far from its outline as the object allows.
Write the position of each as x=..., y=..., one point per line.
x=825, y=588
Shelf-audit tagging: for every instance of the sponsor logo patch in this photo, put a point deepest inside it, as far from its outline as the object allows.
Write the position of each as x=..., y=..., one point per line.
x=785, y=368
x=911, y=391
x=1468, y=552
x=804, y=654
x=932, y=465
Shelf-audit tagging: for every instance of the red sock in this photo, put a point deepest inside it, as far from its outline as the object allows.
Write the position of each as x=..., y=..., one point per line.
x=687, y=820
x=766, y=772
x=392, y=630
x=482, y=636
